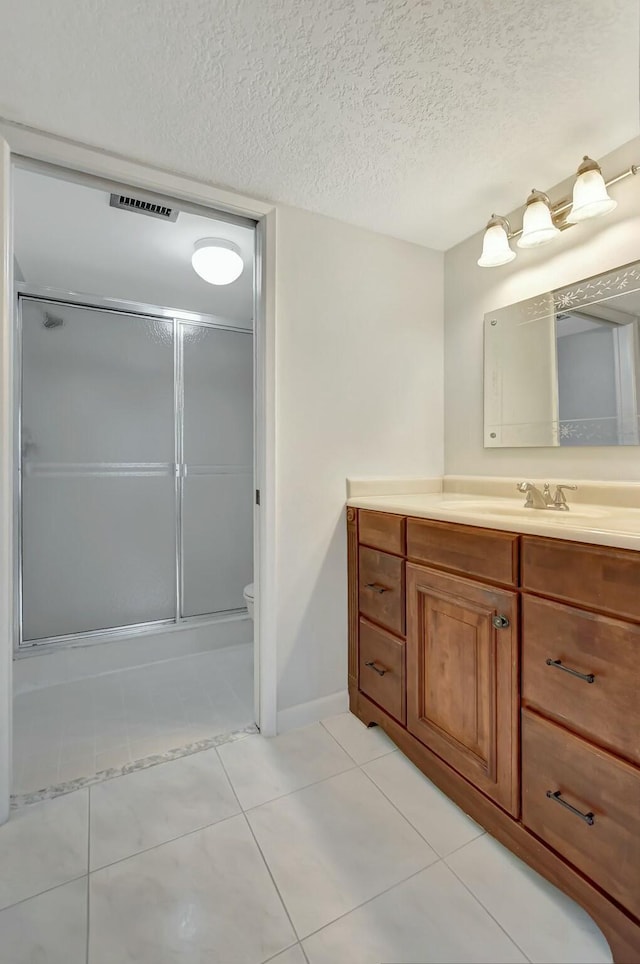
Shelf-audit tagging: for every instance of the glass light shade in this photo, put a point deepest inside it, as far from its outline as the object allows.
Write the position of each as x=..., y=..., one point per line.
x=537, y=225
x=495, y=247
x=590, y=197
x=218, y=262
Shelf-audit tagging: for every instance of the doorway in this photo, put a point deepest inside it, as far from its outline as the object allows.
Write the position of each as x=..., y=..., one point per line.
x=134, y=491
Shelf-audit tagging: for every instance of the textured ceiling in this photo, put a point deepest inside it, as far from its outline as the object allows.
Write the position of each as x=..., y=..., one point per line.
x=68, y=237
x=416, y=118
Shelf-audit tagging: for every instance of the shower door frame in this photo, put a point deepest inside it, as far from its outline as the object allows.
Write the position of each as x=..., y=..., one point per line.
x=23, y=145
x=24, y=648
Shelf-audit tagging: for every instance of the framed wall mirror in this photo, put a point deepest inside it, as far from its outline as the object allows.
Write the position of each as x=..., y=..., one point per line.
x=563, y=368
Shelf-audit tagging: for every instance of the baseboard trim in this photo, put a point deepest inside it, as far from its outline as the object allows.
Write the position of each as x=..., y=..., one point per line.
x=304, y=713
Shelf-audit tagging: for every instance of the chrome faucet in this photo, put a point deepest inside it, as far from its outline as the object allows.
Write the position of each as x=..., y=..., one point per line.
x=544, y=500
x=535, y=498
x=560, y=499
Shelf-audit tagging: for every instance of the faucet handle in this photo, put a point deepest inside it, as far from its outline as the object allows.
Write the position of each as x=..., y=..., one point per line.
x=559, y=498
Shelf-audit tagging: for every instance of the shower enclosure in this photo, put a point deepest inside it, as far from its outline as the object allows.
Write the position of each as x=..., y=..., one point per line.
x=135, y=469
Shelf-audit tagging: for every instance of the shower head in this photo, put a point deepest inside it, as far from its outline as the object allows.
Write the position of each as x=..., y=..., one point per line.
x=51, y=321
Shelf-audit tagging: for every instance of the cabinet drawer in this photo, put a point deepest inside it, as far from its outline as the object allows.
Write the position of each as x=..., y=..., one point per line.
x=382, y=530
x=607, y=650
x=381, y=588
x=382, y=669
x=593, y=576
x=606, y=847
x=471, y=551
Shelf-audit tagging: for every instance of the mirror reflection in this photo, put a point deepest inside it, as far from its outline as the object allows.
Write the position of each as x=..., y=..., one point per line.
x=563, y=368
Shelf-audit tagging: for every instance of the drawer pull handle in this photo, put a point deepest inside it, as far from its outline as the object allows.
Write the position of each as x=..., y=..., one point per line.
x=587, y=817
x=587, y=677
x=376, y=667
x=376, y=587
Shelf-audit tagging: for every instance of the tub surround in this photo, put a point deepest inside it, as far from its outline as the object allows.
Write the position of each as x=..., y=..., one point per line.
x=600, y=513
x=497, y=646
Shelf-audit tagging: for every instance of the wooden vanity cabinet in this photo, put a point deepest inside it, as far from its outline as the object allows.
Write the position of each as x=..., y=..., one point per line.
x=507, y=668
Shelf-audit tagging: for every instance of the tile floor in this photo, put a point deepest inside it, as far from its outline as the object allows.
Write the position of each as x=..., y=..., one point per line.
x=323, y=845
x=77, y=729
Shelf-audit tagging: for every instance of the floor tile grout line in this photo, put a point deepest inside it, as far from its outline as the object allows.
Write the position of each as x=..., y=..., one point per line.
x=304, y=953
x=47, y=890
x=188, y=833
x=467, y=843
x=398, y=883
x=273, y=880
x=404, y=816
x=443, y=858
x=487, y=911
x=306, y=786
x=284, y=950
x=344, y=749
x=264, y=859
x=337, y=742
x=214, y=822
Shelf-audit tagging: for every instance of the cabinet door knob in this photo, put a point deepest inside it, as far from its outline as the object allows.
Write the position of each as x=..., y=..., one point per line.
x=587, y=677
x=500, y=622
x=376, y=667
x=557, y=796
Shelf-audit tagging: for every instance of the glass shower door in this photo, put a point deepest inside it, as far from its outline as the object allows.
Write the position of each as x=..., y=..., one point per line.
x=217, y=456
x=98, y=470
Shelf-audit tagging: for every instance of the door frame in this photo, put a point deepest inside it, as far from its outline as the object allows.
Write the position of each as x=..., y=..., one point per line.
x=26, y=143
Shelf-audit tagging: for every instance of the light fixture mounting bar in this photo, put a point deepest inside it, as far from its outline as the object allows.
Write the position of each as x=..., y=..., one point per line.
x=560, y=207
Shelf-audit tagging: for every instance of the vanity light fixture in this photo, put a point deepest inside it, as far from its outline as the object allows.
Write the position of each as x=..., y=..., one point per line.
x=543, y=220
x=590, y=197
x=217, y=261
x=495, y=245
x=537, y=223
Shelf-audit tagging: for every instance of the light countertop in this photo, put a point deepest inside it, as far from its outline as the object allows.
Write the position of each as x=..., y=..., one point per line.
x=596, y=523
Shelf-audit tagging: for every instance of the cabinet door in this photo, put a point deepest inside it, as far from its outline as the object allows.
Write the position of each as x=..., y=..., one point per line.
x=462, y=678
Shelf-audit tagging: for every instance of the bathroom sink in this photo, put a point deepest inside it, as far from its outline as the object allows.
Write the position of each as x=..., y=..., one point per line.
x=515, y=508
x=584, y=512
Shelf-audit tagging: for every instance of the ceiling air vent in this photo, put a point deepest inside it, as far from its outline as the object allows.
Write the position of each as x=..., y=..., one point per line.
x=129, y=203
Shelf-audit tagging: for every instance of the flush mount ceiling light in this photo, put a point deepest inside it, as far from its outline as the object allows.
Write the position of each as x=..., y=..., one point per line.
x=218, y=262
x=495, y=245
x=543, y=220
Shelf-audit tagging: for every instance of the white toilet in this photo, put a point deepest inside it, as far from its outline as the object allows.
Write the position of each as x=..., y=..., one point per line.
x=248, y=598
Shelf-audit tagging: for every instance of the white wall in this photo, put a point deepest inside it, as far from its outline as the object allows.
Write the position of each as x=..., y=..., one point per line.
x=471, y=291
x=359, y=392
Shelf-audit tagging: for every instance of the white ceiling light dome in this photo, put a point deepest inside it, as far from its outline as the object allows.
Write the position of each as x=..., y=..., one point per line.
x=217, y=261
